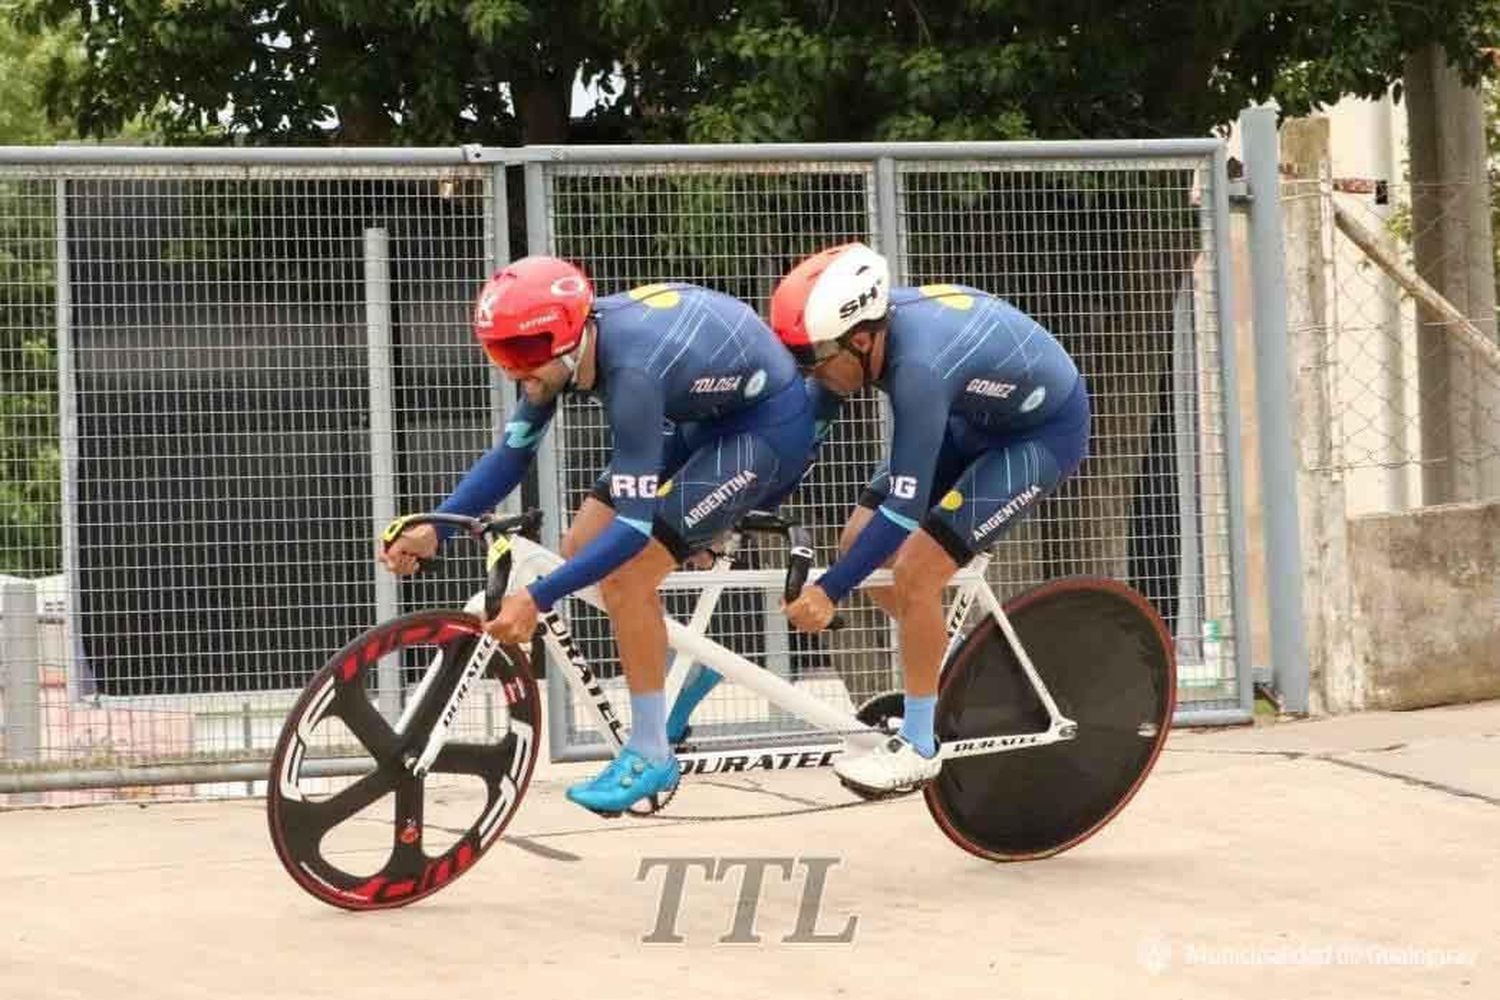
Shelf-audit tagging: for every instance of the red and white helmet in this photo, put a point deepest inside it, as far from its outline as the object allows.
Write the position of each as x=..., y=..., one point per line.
x=826, y=296
x=532, y=311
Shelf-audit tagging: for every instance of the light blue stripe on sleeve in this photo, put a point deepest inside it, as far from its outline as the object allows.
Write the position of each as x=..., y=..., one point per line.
x=900, y=519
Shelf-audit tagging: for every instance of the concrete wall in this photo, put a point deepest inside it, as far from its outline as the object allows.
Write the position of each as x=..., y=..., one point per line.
x=1426, y=595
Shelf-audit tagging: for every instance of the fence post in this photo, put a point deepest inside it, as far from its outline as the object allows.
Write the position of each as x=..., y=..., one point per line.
x=502, y=389
x=382, y=444
x=19, y=669
x=1193, y=609
x=1273, y=391
x=67, y=433
x=1234, y=454
x=549, y=490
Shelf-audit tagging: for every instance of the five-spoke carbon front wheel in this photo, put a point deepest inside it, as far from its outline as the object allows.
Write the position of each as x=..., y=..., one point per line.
x=351, y=822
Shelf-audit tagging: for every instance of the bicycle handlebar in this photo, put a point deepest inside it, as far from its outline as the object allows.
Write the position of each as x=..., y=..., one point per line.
x=799, y=553
x=478, y=527
x=799, y=546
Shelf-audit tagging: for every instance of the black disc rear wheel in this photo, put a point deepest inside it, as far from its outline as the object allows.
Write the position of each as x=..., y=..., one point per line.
x=351, y=822
x=1105, y=657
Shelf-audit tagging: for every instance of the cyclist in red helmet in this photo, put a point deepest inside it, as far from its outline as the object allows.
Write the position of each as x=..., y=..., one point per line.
x=741, y=435
x=989, y=415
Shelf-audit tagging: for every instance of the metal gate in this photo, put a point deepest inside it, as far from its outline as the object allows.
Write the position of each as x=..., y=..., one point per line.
x=1117, y=248
x=223, y=369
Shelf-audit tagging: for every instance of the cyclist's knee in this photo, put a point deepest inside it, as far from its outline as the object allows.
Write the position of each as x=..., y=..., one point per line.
x=916, y=576
x=885, y=598
x=623, y=589
x=634, y=584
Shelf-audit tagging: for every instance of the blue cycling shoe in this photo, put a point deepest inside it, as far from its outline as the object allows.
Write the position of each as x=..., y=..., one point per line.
x=628, y=779
x=697, y=686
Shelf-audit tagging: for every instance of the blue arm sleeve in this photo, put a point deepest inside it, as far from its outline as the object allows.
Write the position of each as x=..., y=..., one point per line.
x=498, y=470
x=874, y=546
x=919, y=412
x=635, y=408
x=611, y=548
x=825, y=407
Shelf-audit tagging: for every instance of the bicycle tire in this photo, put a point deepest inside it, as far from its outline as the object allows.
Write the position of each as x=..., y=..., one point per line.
x=1105, y=656
x=299, y=821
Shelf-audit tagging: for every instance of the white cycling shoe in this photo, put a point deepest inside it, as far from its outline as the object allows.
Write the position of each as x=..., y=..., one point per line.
x=891, y=767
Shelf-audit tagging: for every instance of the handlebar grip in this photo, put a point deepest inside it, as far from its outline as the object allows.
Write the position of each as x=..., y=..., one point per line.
x=763, y=520
x=799, y=562
x=497, y=562
x=395, y=530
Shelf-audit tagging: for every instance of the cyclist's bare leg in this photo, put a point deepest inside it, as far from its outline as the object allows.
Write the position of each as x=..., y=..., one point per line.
x=591, y=518
x=630, y=598
x=636, y=617
x=915, y=599
x=635, y=608
x=922, y=570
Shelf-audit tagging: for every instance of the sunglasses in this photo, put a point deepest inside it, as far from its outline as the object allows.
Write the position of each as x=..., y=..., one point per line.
x=810, y=357
x=519, y=355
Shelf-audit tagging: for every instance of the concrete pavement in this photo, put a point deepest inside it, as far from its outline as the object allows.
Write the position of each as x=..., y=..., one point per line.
x=1352, y=857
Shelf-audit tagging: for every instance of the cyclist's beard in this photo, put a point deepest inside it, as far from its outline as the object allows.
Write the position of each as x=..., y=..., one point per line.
x=864, y=363
x=540, y=391
x=561, y=374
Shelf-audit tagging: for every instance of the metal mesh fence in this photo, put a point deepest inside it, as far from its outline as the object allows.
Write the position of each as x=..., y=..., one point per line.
x=1416, y=412
x=259, y=366
x=220, y=380
x=1116, y=258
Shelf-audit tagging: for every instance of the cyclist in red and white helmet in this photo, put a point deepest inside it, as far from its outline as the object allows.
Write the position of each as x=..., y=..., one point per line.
x=989, y=416
x=658, y=355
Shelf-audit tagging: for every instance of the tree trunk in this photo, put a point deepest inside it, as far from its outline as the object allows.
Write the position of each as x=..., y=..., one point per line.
x=1453, y=250
x=363, y=123
x=544, y=105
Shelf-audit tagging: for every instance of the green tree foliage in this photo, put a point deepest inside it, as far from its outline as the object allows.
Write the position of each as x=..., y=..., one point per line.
x=995, y=69
x=433, y=71
x=359, y=71
x=29, y=473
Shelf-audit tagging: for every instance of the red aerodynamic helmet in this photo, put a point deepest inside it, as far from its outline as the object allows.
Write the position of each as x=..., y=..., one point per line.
x=826, y=296
x=532, y=311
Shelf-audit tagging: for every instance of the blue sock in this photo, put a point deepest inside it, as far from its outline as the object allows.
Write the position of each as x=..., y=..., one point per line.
x=699, y=683
x=916, y=723
x=648, y=726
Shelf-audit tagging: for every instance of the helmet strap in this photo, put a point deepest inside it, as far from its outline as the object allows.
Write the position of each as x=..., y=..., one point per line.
x=863, y=356
x=574, y=358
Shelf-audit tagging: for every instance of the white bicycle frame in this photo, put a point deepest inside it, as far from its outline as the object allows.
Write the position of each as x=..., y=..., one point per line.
x=690, y=644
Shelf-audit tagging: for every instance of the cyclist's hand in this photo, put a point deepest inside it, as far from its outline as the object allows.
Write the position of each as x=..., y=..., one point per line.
x=414, y=544
x=516, y=621
x=811, y=611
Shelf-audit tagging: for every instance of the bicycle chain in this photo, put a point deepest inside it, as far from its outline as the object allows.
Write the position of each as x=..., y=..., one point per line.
x=810, y=810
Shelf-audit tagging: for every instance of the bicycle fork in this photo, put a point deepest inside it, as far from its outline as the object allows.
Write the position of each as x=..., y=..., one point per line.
x=420, y=764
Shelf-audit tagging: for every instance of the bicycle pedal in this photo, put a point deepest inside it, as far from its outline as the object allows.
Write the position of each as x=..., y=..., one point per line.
x=880, y=794
x=606, y=814
x=658, y=801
